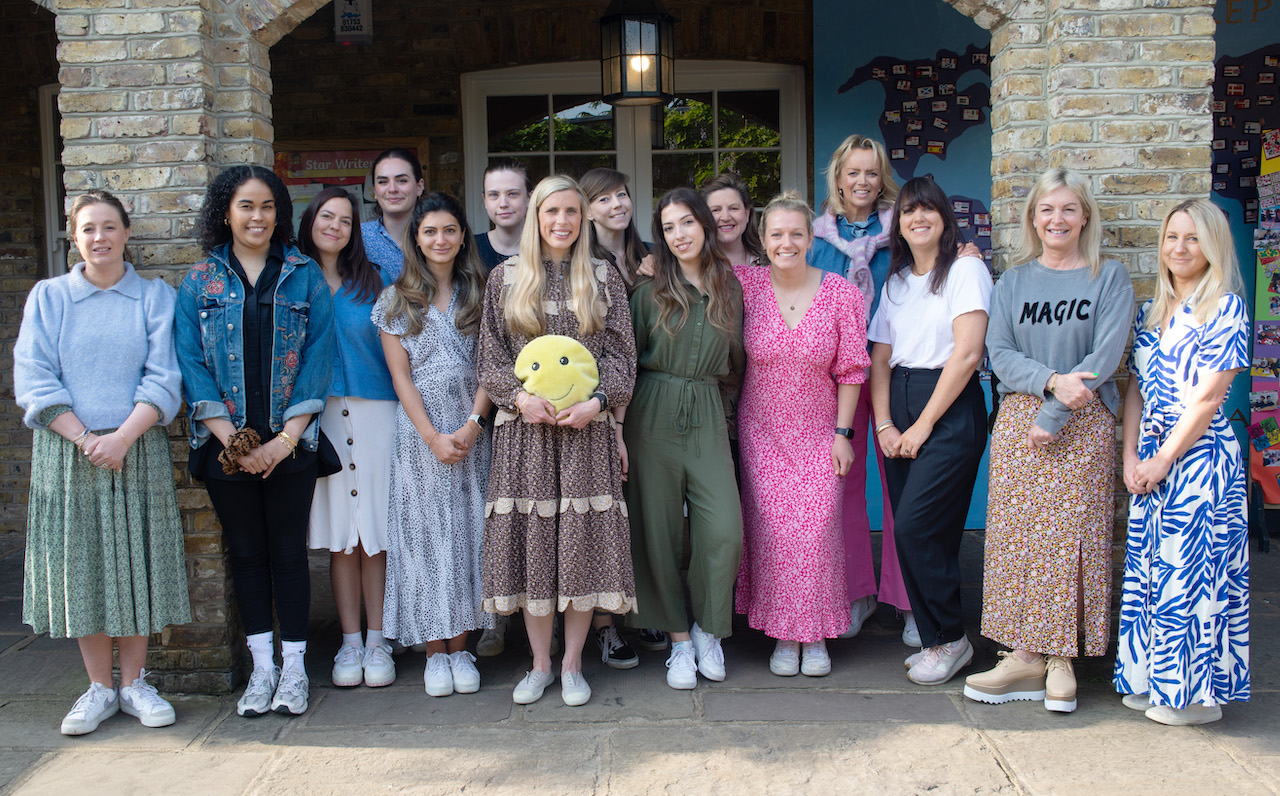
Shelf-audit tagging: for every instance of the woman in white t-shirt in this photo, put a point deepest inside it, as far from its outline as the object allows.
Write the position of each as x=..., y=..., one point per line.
x=930, y=413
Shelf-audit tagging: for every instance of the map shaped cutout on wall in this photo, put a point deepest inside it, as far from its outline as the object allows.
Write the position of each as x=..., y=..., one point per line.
x=924, y=110
x=1244, y=104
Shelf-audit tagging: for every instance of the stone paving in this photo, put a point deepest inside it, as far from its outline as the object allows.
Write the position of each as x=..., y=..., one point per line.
x=863, y=729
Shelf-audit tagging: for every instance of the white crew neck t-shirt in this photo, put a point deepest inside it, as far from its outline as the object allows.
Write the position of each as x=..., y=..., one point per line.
x=917, y=323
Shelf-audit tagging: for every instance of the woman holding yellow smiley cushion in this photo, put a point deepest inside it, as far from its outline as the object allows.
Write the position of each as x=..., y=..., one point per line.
x=556, y=534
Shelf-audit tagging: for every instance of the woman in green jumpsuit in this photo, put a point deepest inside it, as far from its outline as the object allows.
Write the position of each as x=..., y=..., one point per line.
x=688, y=324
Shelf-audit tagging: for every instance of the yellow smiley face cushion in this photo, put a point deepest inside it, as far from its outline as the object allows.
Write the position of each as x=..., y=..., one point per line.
x=559, y=369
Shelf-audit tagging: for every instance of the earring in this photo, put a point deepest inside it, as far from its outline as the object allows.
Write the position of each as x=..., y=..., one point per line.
x=226, y=221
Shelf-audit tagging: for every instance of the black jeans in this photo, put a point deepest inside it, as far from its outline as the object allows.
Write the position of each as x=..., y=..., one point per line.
x=930, y=497
x=264, y=524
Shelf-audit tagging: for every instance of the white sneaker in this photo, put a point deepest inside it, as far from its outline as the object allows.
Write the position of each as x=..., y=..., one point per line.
x=574, y=689
x=785, y=660
x=1184, y=717
x=439, y=675
x=941, y=662
x=291, y=693
x=143, y=702
x=910, y=631
x=256, y=699
x=91, y=709
x=682, y=671
x=914, y=658
x=378, y=666
x=1140, y=702
x=531, y=686
x=348, y=665
x=859, y=611
x=709, y=653
x=466, y=677
x=493, y=640
x=815, y=661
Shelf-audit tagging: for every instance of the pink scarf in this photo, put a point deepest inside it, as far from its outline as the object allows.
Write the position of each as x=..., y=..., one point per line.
x=859, y=251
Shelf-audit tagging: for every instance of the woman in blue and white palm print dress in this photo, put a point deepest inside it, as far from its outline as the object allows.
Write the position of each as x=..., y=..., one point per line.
x=1184, y=617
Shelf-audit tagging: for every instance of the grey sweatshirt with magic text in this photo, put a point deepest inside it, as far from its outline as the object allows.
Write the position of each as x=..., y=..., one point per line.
x=1043, y=320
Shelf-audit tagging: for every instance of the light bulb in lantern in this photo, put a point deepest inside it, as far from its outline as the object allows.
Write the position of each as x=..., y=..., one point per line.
x=640, y=63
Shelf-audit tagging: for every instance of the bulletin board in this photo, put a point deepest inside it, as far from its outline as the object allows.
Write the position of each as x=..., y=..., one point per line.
x=308, y=166
x=1264, y=395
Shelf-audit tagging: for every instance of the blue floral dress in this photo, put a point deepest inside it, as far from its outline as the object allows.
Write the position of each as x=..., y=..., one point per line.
x=1184, y=616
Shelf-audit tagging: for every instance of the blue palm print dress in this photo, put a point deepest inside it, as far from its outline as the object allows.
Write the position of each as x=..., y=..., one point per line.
x=1184, y=615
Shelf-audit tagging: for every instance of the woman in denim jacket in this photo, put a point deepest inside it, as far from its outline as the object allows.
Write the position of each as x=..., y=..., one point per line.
x=255, y=342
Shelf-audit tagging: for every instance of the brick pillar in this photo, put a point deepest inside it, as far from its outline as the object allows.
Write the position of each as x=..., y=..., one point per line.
x=1129, y=106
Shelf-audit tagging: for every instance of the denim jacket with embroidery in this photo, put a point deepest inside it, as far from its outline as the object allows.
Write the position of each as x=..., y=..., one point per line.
x=210, y=344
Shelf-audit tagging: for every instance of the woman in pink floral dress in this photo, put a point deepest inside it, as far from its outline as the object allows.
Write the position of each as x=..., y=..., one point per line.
x=806, y=342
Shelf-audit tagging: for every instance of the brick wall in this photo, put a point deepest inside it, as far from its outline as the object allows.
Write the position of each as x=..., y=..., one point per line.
x=27, y=61
x=407, y=84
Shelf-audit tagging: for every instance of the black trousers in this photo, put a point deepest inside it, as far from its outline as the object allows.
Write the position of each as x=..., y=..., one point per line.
x=930, y=498
x=264, y=524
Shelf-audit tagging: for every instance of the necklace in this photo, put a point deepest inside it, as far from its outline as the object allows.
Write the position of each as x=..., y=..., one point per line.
x=792, y=304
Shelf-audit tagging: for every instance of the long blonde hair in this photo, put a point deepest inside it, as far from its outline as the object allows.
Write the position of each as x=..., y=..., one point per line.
x=1029, y=245
x=522, y=306
x=1221, y=277
x=834, y=202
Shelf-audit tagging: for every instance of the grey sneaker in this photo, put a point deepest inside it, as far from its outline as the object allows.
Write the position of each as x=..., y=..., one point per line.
x=143, y=702
x=256, y=699
x=291, y=693
x=91, y=709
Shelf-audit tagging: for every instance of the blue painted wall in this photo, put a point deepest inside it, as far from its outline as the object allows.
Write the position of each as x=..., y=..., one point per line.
x=850, y=36
x=1244, y=27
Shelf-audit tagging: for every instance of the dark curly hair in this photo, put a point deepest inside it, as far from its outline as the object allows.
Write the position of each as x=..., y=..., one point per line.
x=211, y=227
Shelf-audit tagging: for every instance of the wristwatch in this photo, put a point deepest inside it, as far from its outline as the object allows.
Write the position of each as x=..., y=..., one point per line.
x=480, y=420
x=847, y=433
x=604, y=402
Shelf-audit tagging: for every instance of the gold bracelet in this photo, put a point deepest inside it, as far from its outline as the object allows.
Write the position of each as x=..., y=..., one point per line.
x=293, y=446
x=883, y=426
x=80, y=440
x=127, y=443
x=1053, y=382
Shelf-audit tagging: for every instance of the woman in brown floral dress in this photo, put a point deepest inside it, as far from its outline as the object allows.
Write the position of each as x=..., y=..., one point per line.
x=556, y=536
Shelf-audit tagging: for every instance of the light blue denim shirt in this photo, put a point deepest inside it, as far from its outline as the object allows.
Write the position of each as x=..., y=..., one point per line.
x=359, y=366
x=210, y=344
x=383, y=250
x=827, y=257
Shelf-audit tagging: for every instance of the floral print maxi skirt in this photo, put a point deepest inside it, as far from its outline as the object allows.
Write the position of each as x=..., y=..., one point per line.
x=1049, y=529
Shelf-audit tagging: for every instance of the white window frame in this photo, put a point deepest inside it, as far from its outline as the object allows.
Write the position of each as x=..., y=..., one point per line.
x=633, y=124
x=55, y=220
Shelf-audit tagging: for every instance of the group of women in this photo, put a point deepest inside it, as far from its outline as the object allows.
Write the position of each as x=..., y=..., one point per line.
x=358, y=392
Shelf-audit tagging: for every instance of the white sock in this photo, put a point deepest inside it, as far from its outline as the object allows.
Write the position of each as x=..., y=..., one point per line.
x=352, y=638
x=262, y=649
x=293, y=652
x=373, y=638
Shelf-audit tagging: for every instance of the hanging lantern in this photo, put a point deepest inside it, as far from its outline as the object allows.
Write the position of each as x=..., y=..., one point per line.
x=636, y=62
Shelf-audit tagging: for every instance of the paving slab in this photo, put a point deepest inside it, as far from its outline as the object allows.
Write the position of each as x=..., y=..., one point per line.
x=442, y=762
x=197, y=773
x=815, y=706
x=16, y=763
x=1252, y=728
x=366, y=707
x=35, y=723
x=803, y=759
x=631, y=695
x=1116, y=753
x=59, y=674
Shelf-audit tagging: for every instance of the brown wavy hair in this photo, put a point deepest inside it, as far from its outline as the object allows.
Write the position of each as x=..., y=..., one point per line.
x=416, y=287
x=717, y=273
